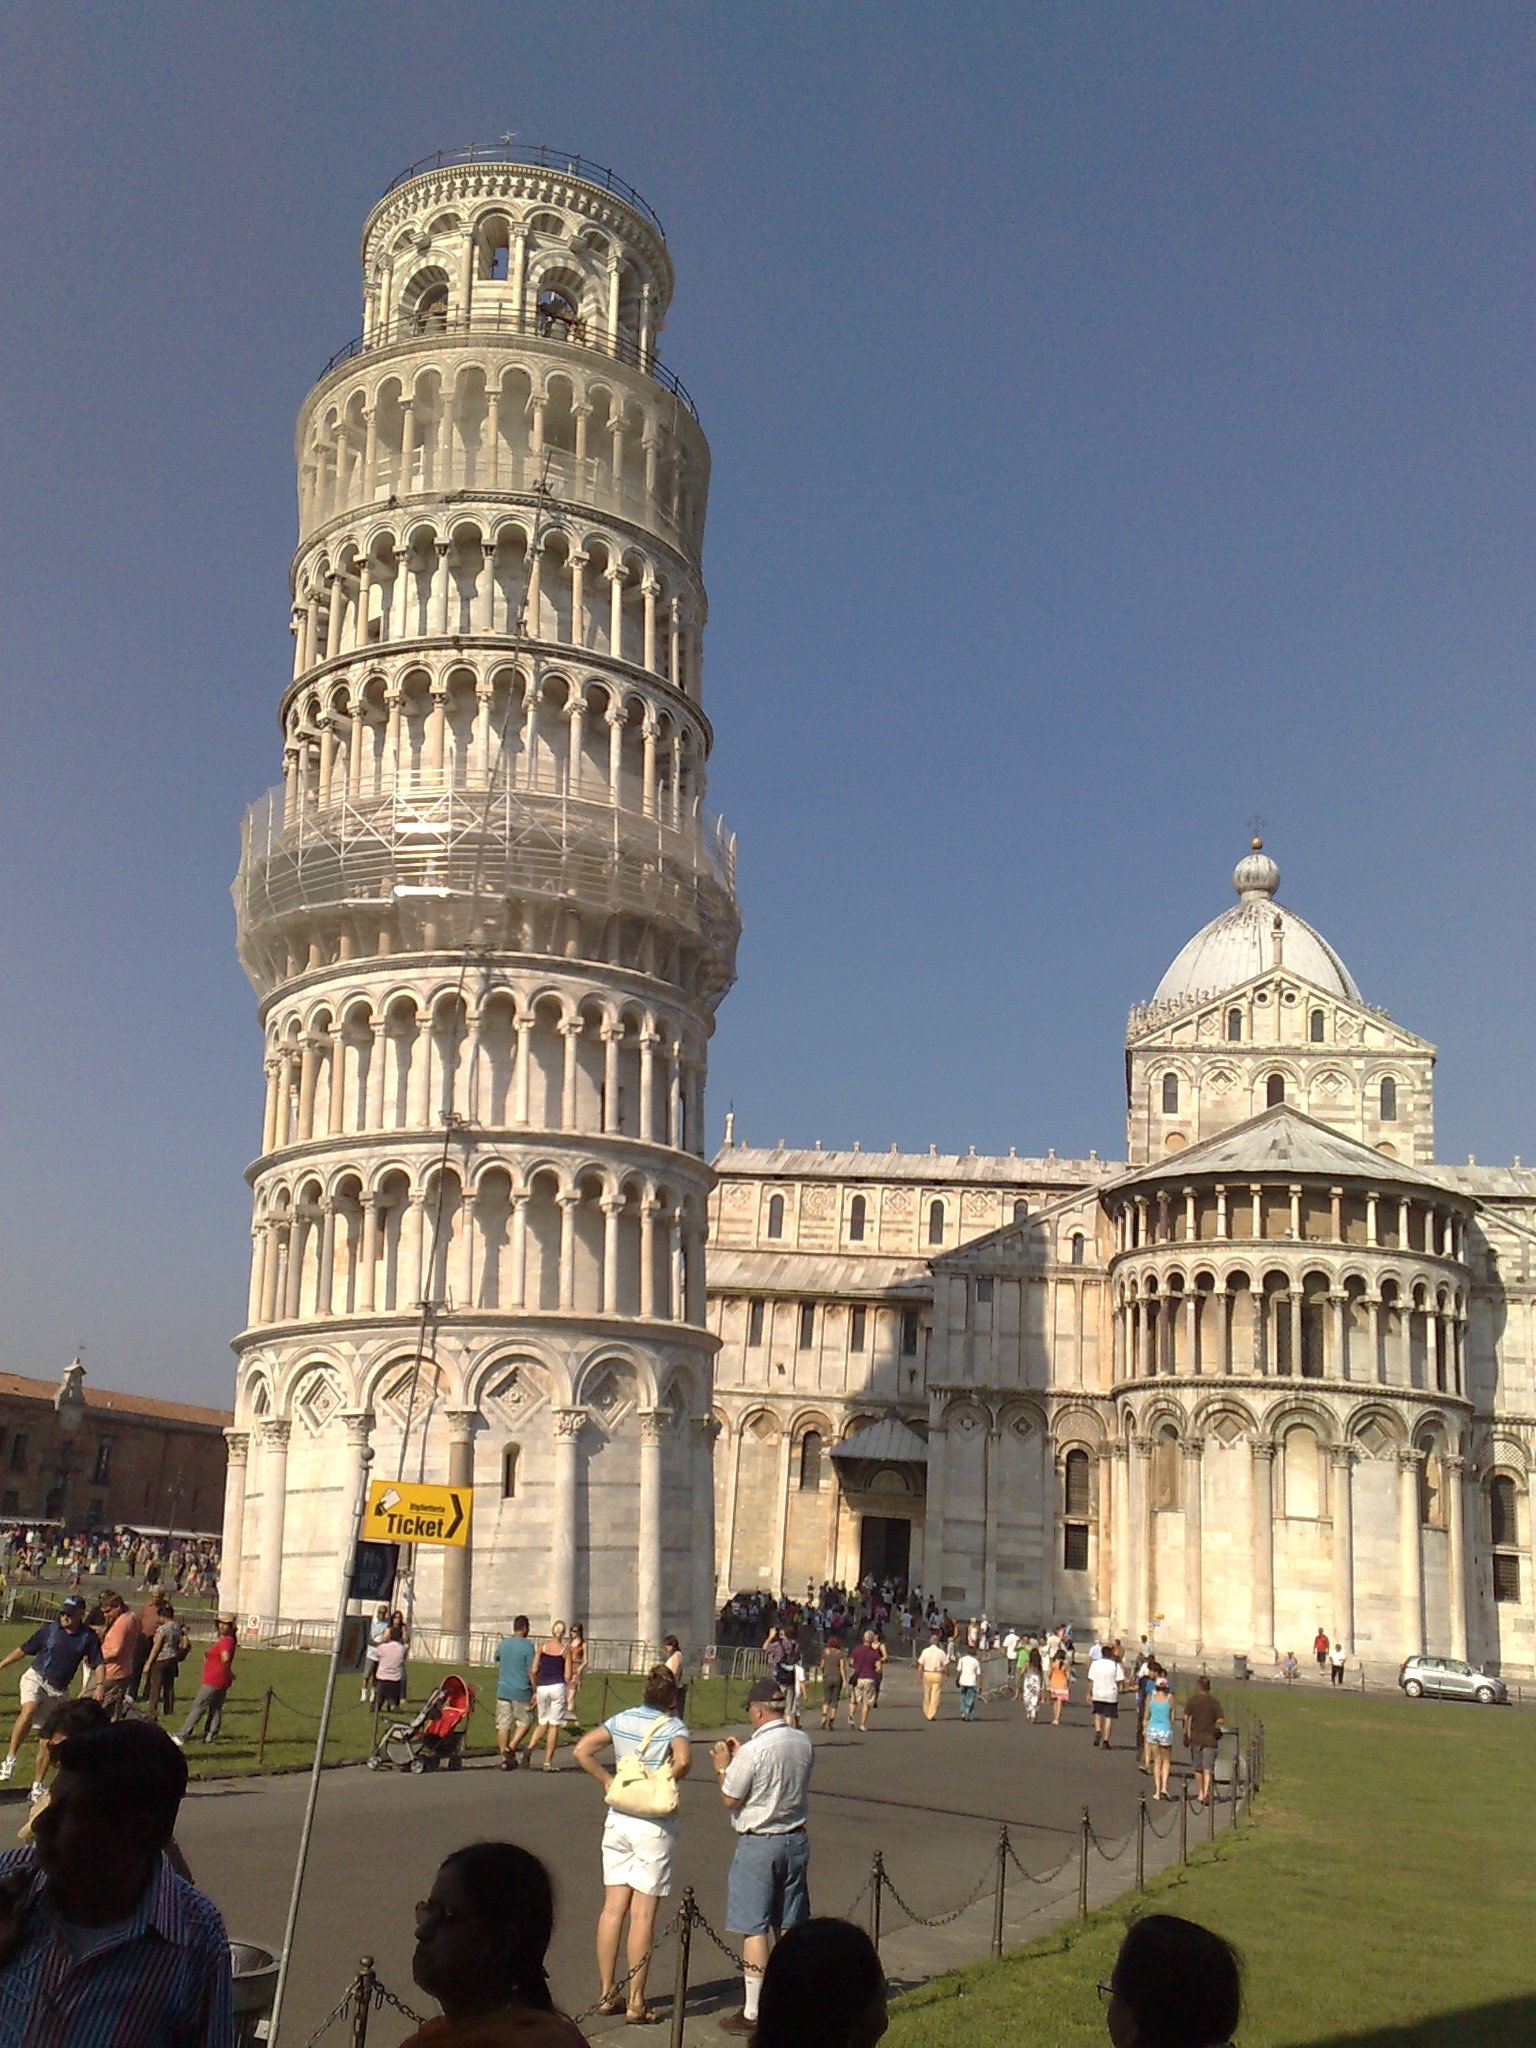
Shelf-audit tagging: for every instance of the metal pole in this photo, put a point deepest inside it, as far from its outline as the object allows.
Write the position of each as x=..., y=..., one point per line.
x=1184, y=1825
x=358, y=1510
x=1210, y=1812
x=1082, y=1868
x=997, y=1897
x=1141, y=1845
x=1237, y=1772
x=876, y=1880
x=261, y=1732
x=680, y=1980
x=362, y=2002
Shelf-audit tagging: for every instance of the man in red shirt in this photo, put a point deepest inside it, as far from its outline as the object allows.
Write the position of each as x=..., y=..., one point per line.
x=1320, y=1648
x=218, y=1677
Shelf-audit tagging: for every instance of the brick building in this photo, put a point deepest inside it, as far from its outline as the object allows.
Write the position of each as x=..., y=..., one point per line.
x=93, y=1459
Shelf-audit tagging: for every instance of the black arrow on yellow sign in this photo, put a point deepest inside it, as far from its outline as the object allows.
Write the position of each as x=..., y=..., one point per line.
x=458, y=1519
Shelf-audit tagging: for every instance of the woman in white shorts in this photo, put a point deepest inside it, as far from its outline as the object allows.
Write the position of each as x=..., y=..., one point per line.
x=637, y=1854
x=551, y=1676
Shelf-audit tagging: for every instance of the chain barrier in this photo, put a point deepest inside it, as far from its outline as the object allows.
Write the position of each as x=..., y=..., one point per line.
x=1049, y=1877
x=987, y=1878
x=383, y=1996
x=366, y=1994
x=621, y=1984
x=336, y=2012
x=1161, y=1834
x=1110, y=1855
x=697, y=1919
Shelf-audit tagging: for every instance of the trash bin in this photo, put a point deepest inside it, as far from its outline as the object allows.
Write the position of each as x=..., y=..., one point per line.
x=1240, y=1669
x=255, y=1986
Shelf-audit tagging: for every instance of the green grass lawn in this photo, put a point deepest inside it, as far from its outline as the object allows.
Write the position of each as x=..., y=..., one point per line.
x=297, y=1682
x=1386, y=1893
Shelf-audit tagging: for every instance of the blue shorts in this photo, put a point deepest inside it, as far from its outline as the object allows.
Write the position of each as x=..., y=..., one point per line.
x=768, y=1886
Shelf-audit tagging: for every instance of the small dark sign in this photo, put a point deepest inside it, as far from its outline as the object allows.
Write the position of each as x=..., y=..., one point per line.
x=373, y=1570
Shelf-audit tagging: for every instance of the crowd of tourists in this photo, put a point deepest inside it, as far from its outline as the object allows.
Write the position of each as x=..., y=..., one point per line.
x=100, y=1918
x=182, y=1564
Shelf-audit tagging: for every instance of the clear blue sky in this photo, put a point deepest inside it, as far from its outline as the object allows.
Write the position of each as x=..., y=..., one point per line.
x=1121, y=426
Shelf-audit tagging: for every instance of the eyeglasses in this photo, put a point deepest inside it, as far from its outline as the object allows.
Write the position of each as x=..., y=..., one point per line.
x=1106, y=1993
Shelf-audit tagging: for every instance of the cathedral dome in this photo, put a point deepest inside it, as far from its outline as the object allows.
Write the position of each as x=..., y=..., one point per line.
x=1256, y=934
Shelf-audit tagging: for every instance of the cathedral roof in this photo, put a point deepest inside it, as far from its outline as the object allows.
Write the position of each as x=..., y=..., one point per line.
x=942, y=1168
x=1255, y=935
x=1282, y=1140
x=734, y=1270
x=887, y=1442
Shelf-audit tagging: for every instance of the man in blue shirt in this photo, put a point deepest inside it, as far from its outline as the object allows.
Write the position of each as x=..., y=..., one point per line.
x=514, y=1694
x=100, y=1940
x=57, y=1650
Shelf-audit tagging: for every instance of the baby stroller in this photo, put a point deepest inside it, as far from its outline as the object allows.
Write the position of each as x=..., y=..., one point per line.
x=434, y=1737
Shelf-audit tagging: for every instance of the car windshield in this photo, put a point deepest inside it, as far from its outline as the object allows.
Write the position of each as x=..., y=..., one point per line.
x=1454, y=1664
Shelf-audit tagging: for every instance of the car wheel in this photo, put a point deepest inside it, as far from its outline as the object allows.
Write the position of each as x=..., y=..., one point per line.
x=1485, y=1695
x=1414, y=1690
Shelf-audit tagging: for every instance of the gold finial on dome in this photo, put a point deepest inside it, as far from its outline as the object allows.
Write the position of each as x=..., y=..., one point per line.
x=1257, y=844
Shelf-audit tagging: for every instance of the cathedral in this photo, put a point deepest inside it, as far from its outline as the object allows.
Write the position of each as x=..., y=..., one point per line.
x=1271, y=1371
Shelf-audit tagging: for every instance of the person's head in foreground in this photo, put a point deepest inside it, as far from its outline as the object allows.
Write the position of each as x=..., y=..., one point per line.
x=482, y=1933
x=1175, y=1985
x=111, y=1812
x=823, y=1988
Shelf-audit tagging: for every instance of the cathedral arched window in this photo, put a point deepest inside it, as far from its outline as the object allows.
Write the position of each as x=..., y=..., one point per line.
x=1077, y=1485
x=1170, y=1095
x=1301, y=1474
x=858, y=1216
x=1274, y=1090
x=810, y=1461
x=510, y=1459
x=1315, y=1027
x=936, y=1223
x=1020, y=1211
x=776, y=1216
x=1077, y=1248
x=1389, y=1101
x=1234, y=1025
x=1503, y=1512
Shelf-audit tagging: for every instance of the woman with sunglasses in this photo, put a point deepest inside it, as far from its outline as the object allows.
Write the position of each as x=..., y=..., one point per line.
x=481, y=1937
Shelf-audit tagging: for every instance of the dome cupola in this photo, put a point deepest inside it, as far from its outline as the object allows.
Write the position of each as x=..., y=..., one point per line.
x=1254, y=936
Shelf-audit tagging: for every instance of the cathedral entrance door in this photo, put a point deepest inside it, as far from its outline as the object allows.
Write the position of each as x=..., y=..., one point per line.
x=885, y=1547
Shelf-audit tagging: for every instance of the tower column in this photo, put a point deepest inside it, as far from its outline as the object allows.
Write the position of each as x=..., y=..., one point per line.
x=232, y=1549
x=562, y=1560
x=1263, y=1535
x=1456, y=1566
x=1410, y=1552
x=1343, y=1505
x=652, y=1436
x=274, y=1505
x=456, y=1562
x=1193, y=1475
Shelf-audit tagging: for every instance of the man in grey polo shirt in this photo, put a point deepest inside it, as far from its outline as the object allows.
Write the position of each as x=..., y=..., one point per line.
x=765, y=1782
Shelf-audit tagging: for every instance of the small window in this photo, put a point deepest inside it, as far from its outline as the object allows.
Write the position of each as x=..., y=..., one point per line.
x=807, y=1325
x=509, y=1462
x=1315, y=1027
x=858, y=1324
x=1077, y=1247
x=1074, y=1546
x=936, y=1223
x=909, y=1333
x=754, y=1324
x=101, y=1471
x=1234, y=1025
x=1503, y=1513
x=983, y=1292
x=19, y=1451
x=810, y=1462
x=1389, y=1102
x=1506, y=1579
x=1170, y=1095
x=858, y=1214
x=1274, y=1090
x=1020, y=1211
x=776, y=1216
x=1077, y=1479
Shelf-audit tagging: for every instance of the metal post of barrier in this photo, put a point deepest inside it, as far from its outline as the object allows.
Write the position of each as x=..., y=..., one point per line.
x=362, y=2001
x=876, y=1881
x=1141, y=1845
x=602, y=1709
x=997, y=1899
x=1184, y=1825
x=261, y=1732
x=680, y=1980
x=1210, y=1812
x=1082, y=1868
x=1237, y=1772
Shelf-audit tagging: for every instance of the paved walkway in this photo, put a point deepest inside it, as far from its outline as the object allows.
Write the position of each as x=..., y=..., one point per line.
x=931, y=1799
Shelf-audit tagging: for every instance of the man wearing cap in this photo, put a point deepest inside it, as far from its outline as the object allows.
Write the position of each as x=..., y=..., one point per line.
x=765, y=1783
x=57, y=1650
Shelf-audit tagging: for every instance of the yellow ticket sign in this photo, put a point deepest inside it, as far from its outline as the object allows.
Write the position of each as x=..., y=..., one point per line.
x=400, y=1512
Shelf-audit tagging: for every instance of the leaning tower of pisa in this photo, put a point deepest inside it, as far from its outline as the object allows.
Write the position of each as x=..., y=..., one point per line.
x=488, y=920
